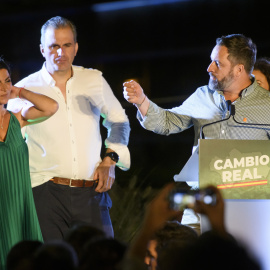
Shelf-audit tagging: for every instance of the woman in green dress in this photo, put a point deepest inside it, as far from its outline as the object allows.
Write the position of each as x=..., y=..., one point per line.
x=18, y=218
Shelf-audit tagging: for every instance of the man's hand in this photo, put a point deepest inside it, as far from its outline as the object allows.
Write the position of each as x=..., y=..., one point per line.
x=215, y=213
x=158, y=210
x=157, y=213
x=133, y=92
x=105, y=173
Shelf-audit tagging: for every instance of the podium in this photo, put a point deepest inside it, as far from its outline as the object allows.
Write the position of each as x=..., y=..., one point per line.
x=241, y=170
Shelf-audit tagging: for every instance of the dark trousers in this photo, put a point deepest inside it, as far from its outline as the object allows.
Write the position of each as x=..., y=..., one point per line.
x=60, y=207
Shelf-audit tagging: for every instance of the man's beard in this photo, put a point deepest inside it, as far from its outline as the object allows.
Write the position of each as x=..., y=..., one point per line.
x=222, y=84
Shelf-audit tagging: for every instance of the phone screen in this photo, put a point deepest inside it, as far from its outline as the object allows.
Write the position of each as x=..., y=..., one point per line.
x=180, y=201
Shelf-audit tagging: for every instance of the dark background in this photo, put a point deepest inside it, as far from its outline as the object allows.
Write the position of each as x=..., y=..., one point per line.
x=165, y=47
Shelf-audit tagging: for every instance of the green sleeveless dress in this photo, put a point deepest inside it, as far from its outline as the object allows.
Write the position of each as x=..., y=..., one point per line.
x=18, y=217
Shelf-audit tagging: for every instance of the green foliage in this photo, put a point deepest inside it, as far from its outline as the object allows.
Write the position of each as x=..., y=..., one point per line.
x=128, y=207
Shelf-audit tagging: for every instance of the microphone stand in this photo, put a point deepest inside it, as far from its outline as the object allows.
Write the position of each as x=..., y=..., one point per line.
x=231, y=110
x=249, y=124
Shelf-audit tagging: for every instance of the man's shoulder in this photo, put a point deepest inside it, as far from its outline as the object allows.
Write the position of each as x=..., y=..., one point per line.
x=88, y=78
x=205, y=90
x=262, y=91
x=89, y=71
x=261, y=94
x=201, y=94
x=29, y=79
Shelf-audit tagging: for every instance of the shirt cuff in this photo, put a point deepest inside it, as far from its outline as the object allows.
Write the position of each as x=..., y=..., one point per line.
x=150, y=119
x=123, y=153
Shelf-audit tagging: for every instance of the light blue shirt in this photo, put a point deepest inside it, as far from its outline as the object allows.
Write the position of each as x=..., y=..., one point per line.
x=207, y=106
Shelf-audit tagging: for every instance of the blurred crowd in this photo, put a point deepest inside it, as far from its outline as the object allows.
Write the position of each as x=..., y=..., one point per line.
x=161, y=243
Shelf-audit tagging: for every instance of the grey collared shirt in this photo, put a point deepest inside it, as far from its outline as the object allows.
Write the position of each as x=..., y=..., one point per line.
x=207, y=106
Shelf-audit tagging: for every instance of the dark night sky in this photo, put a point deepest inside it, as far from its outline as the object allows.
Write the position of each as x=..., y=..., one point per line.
x=167, y=48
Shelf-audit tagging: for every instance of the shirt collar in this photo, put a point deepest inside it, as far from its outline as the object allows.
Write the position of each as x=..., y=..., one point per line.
x=47, y=76
x=250, y=88
x=246, y=91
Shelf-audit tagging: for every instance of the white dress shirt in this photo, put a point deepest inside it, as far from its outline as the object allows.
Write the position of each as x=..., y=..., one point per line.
x=69, y=143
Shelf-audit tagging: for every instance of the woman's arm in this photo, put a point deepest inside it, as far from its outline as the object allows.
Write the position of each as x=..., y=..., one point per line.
x=44, y=107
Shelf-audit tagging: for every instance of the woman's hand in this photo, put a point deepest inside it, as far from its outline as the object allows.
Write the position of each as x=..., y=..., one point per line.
x=14, y=91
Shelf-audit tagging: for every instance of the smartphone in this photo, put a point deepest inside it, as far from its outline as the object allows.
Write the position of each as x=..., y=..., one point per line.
x=180, y=198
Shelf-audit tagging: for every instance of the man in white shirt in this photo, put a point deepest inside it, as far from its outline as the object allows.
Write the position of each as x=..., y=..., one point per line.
x=64, y=152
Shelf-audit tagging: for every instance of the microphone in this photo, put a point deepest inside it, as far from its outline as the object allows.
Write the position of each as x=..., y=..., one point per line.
x=230, y=108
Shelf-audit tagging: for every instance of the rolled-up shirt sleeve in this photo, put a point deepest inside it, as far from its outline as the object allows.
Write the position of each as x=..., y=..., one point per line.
x=117, y=124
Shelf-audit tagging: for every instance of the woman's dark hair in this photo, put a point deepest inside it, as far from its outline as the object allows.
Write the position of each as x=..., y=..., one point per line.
x=4, y=65
x=263, y=65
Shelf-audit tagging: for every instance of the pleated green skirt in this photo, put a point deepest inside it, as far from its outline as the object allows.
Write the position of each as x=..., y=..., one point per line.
x=18, y=217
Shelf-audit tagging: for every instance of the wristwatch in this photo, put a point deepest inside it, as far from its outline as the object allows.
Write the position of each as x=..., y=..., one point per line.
x=113, y=156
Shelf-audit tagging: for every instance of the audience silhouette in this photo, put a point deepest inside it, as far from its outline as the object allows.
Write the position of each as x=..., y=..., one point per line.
x=162, y=243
